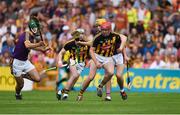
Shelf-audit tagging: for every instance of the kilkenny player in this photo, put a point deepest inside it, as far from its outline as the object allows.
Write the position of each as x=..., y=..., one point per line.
x=92, y=65
x=104, y=47
x=21, y=67
x=78, y=55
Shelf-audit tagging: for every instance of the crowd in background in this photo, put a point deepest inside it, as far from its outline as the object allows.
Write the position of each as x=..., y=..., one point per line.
x=152, y=27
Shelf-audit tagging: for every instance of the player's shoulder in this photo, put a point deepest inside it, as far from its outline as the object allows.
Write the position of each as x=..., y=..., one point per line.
x=70, y=42
x=115, y=33
x=118, y=34
x=97, y=36
x=28, y=32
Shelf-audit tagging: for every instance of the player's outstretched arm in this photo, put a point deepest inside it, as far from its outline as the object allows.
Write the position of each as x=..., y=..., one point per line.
x=60, y=55
x=123, y=43
x=88, y=43
x=30, y=45
x=42, y=48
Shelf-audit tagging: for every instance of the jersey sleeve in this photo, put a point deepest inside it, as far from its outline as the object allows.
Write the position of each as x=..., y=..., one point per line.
x=95, y=41
x=69, y=45
x=118, y=40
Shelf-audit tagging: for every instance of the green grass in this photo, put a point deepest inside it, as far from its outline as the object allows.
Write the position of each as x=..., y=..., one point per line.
x=45, y=102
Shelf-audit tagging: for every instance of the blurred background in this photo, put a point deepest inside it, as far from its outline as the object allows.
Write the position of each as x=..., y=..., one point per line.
x=152, y=27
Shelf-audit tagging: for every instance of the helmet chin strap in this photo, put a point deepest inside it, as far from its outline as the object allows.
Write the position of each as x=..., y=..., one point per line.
x=33, y=31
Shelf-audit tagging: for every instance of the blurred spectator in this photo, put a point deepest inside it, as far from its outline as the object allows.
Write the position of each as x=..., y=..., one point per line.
x=172, y=62
x=137, y=63
x=132, y=16
x=158, y=63
x=170, y=35
x=152, y=5
x=144, y=17
x=160, y=48
x=149, y=47
x=64, y=36
x=147, y=60
x=170, y=49
x=157, y=37
x=121, y=20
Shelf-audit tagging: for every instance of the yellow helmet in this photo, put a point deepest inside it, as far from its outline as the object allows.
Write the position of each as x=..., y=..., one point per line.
x=76, y=34
x=100, y=21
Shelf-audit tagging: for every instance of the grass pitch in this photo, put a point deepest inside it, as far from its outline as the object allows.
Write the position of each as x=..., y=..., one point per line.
x=40, y=102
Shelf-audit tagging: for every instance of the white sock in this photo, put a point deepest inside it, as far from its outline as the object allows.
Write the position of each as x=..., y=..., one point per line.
x=59, y=92
x=18, y=94
x=122, y=90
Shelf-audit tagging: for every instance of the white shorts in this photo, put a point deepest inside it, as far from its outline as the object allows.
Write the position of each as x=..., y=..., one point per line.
x=21, y=67
x=118, y=59
x=79, y=66
x=103, y=60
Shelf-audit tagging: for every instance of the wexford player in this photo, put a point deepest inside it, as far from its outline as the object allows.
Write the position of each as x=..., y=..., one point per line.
x=21, y=67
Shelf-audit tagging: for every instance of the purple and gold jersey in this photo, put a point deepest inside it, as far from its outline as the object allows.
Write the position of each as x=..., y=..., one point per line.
x=106, y=45
x=77, y=52
x=20, y=51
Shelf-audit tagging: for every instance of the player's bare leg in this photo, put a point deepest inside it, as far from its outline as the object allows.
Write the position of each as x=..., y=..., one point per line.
x=87, y=81
x=108, y=91
x=31, y=75
x=70, y=83
x=19, y=86
x=34, y=75
x=120, y=81
x=109, y=71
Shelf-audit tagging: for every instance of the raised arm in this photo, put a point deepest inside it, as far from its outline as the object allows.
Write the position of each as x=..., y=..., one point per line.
x=30, y=45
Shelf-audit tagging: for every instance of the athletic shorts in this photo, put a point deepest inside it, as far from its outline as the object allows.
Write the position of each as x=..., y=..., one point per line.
x=79, y=66
x=103, y=60
x=21, y=67
x=118, y=59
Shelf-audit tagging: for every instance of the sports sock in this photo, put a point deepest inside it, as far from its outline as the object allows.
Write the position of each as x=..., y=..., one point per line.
x=65, y=91
x=122, y=90
x=81, y=92
x=100, y=86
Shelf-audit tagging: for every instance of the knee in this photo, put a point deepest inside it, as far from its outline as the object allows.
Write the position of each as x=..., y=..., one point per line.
x=76, y=76
x=119, y=76
x=91, y=78
x=110, y=73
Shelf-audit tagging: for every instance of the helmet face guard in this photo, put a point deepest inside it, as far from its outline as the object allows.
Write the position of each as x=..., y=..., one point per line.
x=34, y=25
x=78, y=34
x=106, y=28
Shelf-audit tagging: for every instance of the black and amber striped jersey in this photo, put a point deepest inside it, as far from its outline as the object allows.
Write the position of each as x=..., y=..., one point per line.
x=106, y=45
x=77, y=52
